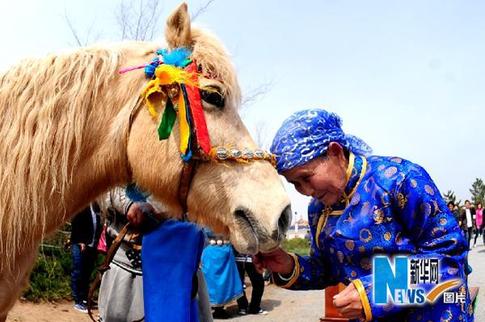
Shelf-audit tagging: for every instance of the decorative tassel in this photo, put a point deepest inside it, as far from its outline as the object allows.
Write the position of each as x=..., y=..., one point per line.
x=197, y=112
x=152, y=87
x=168, y=69
x=164, y=75
x=184, y=125
x=178, y=57
x=167, y=122
x=129, y=69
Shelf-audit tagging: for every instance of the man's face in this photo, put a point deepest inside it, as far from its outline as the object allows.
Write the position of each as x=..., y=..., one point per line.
x=323, y=178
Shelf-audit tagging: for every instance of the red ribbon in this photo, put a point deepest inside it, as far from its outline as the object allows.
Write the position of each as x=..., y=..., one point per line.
x=197, y=111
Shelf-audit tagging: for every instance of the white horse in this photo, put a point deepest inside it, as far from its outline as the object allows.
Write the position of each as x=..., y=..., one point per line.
x=72, y=127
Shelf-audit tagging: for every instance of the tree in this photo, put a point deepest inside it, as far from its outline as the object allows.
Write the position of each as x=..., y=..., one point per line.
x=451, y=196
x=478, y=191
x=138, y=20
x=78, y=38
x=255, y=94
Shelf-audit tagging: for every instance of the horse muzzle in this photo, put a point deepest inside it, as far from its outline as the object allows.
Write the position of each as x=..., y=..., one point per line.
x=257, y=237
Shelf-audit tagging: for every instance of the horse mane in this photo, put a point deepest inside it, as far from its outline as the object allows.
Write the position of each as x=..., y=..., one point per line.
x=47, y=107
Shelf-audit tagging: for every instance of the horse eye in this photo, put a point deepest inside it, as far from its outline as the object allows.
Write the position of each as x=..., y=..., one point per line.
x=213, y=97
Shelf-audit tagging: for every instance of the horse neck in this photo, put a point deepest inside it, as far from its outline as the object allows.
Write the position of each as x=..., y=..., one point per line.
x=103, y=162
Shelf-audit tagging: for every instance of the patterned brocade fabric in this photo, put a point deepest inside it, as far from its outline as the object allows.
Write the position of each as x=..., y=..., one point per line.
x=307, y=134
x=392, y=207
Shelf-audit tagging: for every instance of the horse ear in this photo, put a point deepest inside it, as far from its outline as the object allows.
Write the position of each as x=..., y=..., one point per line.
x=177, y=32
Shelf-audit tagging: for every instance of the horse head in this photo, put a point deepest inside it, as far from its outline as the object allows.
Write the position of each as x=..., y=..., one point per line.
x=74, y=126
x=235, y=188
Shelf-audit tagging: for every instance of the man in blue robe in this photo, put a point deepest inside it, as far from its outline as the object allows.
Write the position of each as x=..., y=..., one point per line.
x=364, y=206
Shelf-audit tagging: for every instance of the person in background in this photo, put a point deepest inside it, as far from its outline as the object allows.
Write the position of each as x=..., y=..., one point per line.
x=479, y=224
x=85, y=231
x=245, y=265
x=454, y=210
x=221, y=274
x=121, y=294
x=308, y=236
x=468, y=217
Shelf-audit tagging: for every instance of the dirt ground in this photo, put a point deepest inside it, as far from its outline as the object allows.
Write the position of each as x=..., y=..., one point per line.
x=282, y=305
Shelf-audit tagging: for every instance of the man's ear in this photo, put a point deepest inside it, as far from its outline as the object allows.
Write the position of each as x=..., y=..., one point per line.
x=335, y=150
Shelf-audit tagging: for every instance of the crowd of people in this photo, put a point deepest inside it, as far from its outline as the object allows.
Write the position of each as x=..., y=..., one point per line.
x=361, y=205
x=470, y=219
x=221, y=279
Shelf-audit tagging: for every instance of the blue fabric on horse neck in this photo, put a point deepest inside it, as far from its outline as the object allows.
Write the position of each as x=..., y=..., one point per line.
x=170, y=256
x=306, y=134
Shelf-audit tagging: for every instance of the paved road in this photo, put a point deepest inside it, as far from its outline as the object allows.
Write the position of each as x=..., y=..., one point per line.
x=284, y=306
x=476, y=259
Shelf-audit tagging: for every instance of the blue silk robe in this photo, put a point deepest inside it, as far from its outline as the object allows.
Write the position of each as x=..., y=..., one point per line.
x=391, y=206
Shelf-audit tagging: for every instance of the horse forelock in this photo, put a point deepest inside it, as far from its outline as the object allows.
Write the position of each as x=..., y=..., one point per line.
x=209, y=52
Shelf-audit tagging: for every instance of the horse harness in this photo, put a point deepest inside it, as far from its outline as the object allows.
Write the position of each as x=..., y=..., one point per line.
x=174, y=74
x=184, y=101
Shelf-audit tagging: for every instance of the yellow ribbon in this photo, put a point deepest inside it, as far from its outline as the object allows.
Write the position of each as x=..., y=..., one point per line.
x=184, y=125
x=166, y=75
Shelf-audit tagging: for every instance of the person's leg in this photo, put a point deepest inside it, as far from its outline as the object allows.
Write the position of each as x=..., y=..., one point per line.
x=483, y=233
x=89, y=261
x=476, y=236
x=267, y=277
x=242, y=302
x=257, y=282
x=76, y=272
x=469, y=234
x=220, y=313
x=205, y=314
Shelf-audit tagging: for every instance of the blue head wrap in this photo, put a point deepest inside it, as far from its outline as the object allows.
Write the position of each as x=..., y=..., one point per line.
x=306, y=134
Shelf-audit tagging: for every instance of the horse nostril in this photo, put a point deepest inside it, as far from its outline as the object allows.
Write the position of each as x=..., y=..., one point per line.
x=284, y=221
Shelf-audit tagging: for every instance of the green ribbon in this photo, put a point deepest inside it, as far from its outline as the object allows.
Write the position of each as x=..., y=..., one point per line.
x=167, y=122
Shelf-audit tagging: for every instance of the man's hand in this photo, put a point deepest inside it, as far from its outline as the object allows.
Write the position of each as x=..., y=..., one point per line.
x=348, y=303
x=277, y=261
x=137, y=211
x=82, y=246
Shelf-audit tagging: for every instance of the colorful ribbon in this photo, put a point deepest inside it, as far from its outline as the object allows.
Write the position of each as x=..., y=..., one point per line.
x=186, y=103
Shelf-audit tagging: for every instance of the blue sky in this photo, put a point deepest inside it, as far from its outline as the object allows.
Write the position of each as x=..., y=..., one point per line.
x=406, y=76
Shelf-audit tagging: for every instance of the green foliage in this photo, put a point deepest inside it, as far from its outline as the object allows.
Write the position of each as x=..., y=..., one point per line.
x=450, y=196
x=298, y=246
x=50, y=278
x=478, y=191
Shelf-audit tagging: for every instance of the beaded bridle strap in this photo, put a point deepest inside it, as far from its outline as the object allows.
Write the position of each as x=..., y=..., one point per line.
x=244, y=155
x=176, y=75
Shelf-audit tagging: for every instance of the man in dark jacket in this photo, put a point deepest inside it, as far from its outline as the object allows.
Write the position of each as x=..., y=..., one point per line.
x=468, y=219
x=85, y=232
